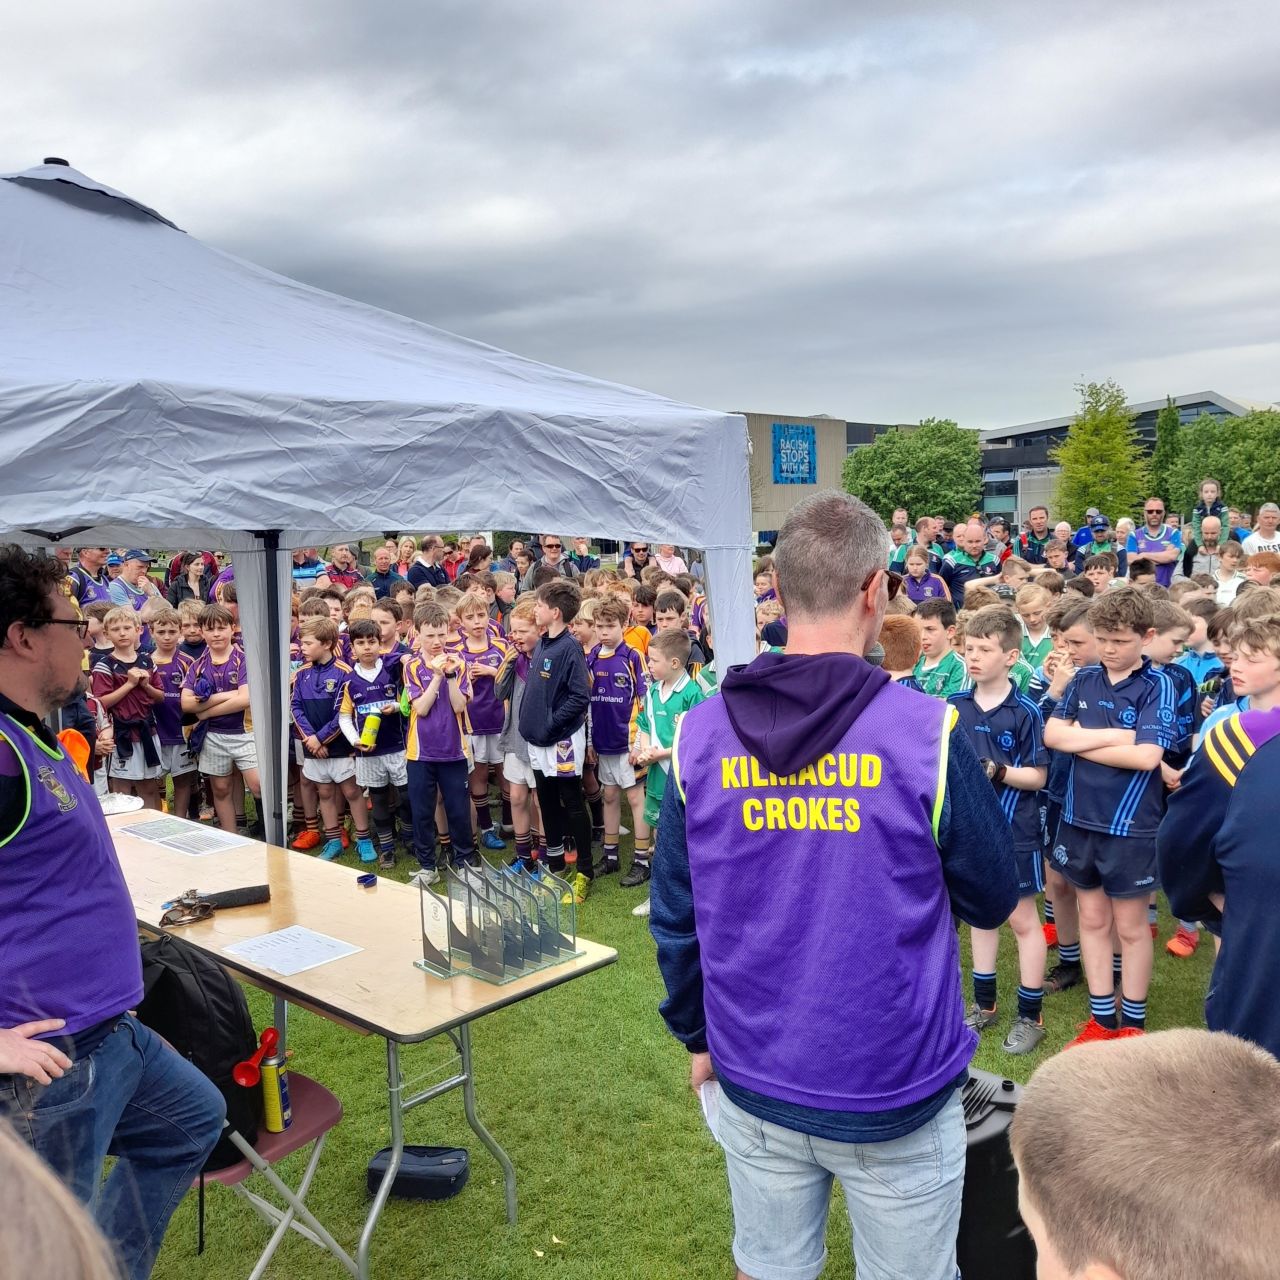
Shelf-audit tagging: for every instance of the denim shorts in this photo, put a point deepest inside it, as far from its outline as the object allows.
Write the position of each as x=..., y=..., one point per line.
x=903, y=1197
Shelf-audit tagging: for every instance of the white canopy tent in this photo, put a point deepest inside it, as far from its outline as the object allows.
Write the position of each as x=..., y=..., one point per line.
x=154, y=390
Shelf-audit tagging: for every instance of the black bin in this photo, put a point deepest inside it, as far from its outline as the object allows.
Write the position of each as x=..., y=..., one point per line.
x=993, y=1243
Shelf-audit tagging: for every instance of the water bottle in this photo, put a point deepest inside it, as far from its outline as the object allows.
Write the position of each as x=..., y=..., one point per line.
x=369, y=734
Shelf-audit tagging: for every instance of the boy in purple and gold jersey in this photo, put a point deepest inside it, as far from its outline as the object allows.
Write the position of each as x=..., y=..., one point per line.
x=438, y=689
x=216, y=691
x=482, y=653
x=373, y=689
x=172, y=666
x=617, y=688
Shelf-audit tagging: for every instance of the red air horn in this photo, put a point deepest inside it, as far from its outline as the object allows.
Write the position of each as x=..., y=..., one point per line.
x=249, y=1073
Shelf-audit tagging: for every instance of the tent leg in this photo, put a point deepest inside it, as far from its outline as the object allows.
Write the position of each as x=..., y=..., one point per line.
x=274, y=819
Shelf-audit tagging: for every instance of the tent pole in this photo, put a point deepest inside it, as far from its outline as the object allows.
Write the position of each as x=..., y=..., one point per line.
x=274, y=821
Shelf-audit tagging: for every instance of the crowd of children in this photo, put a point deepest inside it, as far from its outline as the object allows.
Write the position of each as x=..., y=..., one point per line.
x=411, y=707
x=1083, y=693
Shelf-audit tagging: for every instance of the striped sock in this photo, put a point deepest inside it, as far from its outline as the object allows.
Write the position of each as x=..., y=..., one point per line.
x=1133, y=1013
x=1069, y=952
x=640, y=850
x=556, y=858
x=333, y=833
x=1048, y=910
x=984, y=990
x=1115, y=963
x=484, y=814
x=524, y=848
x=1103, y=1009
x=313, y=824
x=610, y=848
x=1030, y=1000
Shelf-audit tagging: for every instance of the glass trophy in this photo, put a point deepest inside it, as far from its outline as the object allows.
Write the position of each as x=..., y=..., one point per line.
x=437, y=930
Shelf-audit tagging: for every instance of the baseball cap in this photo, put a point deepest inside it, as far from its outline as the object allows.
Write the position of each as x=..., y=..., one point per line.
x=114, y=559
x=1099, y=522
x=139, y=555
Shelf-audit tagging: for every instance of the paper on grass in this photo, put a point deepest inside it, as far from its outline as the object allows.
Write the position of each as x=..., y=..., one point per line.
x=709, y=1097
x=181, y=836
x=292, y=950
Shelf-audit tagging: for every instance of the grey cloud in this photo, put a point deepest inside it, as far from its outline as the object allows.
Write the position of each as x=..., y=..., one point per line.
x=874, y=210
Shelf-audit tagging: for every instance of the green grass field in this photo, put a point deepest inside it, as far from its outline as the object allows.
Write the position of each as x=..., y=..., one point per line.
x=618, y=1176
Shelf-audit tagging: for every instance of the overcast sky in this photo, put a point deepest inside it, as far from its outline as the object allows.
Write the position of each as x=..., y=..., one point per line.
x=879, y=211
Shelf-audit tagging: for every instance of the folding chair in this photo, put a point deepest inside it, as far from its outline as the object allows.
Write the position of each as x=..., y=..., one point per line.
x=315, y=1112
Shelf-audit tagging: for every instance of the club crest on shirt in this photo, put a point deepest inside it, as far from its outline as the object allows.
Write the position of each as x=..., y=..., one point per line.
x=621, y=680
x=1006, y=740
x=53, y=785
x=1128, y=717
x=331, y=686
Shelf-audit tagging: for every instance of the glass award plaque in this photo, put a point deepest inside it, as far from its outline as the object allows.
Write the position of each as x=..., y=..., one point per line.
x=437, y=930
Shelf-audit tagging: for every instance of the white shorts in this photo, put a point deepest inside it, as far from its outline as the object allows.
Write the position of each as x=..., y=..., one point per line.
x=175, y=761
x=339, y=769
x=486, y=748
x=387, y=770
x=615, y=771
x=516, y=770
x=135, y=768
x=224, y=751
x=563, y=760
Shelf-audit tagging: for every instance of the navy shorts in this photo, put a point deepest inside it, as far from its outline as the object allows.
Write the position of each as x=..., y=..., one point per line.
x=1121, y=866
x=1030, y=871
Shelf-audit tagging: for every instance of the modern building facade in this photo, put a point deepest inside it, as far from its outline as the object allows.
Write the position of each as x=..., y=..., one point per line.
x=1017, y=473
x=792, y=457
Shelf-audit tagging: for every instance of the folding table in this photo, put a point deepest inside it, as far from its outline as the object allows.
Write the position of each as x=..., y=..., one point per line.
x=375, y=991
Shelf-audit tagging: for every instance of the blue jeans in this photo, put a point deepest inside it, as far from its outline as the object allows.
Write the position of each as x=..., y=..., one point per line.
x=903, y=1197
x=452, y=780
x=133, y=1098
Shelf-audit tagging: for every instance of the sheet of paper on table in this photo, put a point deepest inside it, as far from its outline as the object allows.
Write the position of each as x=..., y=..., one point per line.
x=289, y=951
x=182, y=836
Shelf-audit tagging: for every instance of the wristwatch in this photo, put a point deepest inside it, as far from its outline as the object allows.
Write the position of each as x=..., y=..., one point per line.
x=995, y=772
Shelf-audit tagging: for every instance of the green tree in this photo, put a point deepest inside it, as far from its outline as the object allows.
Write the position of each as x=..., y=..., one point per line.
x=1102, y=461
x=933, y=469
x=1165, y=458
x=1251, y=448
x=1205, y=450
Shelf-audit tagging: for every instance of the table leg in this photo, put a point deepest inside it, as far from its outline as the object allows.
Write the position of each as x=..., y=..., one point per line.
x=469, y=1105
x=281, y=1019
x=397, y=1152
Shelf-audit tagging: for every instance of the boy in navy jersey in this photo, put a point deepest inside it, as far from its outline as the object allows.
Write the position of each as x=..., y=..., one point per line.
x=1074, y=649
x=482, y=653
x=326, y=754
x=1005, y=730
x=516, y=767
x=172, y=666
x=1117, y=720
x=617, y=688
x=1172, y=629
x=373, y=689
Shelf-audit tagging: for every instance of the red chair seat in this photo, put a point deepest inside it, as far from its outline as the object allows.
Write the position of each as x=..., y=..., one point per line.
x=315, y=1112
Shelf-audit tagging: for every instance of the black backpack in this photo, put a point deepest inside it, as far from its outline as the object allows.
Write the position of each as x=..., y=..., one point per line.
x=196, y=1005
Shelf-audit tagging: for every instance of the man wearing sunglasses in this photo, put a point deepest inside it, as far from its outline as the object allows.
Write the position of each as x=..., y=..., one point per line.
x=80, y=1078
x=635, y=559
x=835, y=1035
x=553, y=557
x=91, y=584
x=1156, y=540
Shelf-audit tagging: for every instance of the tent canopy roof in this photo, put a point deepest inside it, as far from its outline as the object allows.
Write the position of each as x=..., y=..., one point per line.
x=192, y=392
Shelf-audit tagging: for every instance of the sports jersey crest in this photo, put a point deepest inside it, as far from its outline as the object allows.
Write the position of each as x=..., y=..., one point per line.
x=53, y=785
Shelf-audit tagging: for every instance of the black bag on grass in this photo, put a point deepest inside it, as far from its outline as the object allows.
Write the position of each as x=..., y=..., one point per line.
x=196, y=1005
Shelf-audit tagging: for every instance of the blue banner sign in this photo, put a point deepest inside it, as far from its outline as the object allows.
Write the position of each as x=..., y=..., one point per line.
x=795, y=454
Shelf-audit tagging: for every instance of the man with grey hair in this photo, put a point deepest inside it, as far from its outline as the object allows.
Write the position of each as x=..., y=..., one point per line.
x=820, y=827
x=1265, y=537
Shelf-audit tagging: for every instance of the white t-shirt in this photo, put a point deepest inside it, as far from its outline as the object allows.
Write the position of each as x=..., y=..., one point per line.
x=1256, y=542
